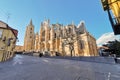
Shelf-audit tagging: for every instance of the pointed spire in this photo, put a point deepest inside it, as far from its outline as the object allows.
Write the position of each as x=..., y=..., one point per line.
x=31, y=22
x=72, y=22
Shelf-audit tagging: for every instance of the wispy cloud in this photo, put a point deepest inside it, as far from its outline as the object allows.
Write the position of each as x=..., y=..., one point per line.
x=107, y=37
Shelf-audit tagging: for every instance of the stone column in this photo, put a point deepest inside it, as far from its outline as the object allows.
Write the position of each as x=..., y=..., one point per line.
x=61, y=47
x=74, y=31
x=51, y=38
x=40, y=37
x=76, y=48
x=36, y=41
x=46, y=25
x=56, y=44
x=64, y=31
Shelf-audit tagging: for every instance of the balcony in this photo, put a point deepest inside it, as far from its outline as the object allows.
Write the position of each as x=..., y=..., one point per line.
x=116, y=25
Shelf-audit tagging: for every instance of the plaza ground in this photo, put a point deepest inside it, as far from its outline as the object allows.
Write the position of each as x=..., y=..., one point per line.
x=23, y=67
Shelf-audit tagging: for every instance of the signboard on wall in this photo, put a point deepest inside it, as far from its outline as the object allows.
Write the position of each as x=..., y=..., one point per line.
x=1, y=33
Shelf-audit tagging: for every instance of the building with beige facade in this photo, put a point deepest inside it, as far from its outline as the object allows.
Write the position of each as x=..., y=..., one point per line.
x=51, y=39
x=115, y=7
x=8, y=37
x=19, y=48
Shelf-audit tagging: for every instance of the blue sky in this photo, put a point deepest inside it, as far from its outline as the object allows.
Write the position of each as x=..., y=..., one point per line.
x=62, y=11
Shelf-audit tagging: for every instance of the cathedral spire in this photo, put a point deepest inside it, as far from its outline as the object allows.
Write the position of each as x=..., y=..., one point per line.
x=31, y=22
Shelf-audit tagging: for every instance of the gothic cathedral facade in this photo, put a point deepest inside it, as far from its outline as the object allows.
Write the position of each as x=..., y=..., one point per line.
x=51, y=39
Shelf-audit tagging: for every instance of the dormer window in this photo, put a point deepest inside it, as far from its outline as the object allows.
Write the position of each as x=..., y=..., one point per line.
x=1, y=33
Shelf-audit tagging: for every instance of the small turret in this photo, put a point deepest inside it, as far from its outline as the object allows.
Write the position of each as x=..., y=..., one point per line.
x=81, y=27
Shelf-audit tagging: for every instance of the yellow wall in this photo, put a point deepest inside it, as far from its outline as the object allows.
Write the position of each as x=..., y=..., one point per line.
x=6, y=51
x=18, y=48
x=115, y=7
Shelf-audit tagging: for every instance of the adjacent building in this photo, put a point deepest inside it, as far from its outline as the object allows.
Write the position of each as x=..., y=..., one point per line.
x=19, y=48
x=8, y=37
x=115, y=7
x=51, y=39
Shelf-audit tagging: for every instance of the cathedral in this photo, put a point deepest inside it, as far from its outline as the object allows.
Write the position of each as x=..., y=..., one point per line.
x=56, y=38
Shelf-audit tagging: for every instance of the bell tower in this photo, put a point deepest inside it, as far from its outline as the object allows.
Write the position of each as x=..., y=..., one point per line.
x=29, y=37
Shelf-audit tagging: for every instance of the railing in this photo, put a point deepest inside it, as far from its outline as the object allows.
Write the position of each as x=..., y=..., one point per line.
x=115, y=23
x=116, y=20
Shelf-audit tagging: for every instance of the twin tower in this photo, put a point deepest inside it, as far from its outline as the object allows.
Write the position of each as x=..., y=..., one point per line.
x=51, y=38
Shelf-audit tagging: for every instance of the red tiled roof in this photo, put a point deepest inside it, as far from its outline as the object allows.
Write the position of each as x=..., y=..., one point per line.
x=15, y=32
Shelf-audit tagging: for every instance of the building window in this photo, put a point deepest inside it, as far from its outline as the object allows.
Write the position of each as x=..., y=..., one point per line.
x=30, y=36
x=4, y=38
x=8, y=43
x=55, y=35
x=1, y=33
x=69, y=30
x=82, y=44
x=43, y=33
x=49, y=36
x=30, y=28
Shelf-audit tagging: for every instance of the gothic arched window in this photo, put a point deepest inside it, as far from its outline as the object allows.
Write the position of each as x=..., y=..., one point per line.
x=55, y=35
x=69, y=30
x=82, y=46
x=43, y=33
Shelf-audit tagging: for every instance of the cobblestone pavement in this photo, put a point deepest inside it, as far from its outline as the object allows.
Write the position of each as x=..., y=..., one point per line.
x=24, y=67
